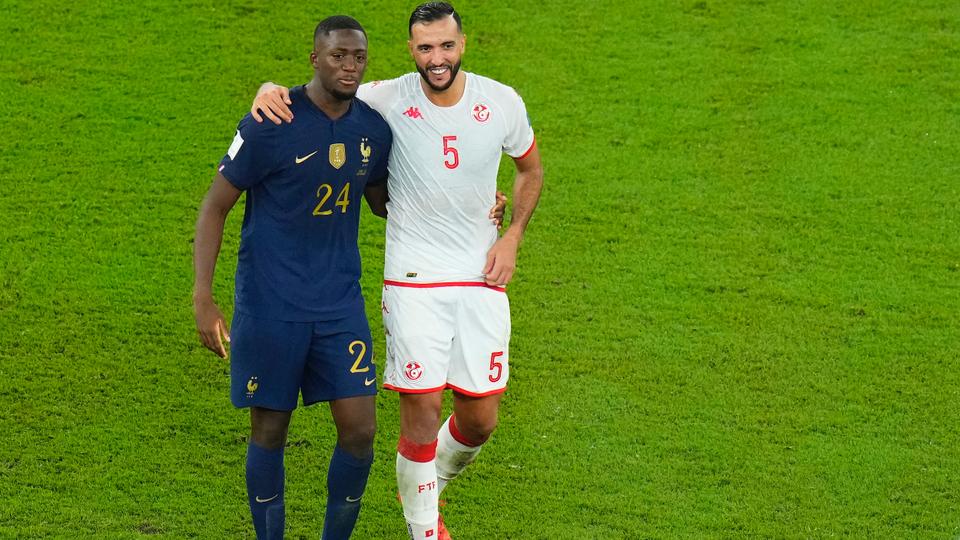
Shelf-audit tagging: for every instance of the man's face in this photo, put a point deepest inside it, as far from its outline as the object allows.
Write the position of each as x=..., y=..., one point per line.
x=437, y=47
x=340, y=59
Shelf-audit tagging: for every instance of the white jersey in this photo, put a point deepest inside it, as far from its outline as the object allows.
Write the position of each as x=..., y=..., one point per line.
x=443, y=174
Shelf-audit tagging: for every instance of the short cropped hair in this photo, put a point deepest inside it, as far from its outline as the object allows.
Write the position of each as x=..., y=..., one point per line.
x=337, y=22
x=432, y=11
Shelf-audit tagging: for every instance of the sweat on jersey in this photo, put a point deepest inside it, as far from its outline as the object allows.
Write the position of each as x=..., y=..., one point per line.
x=304, y=181
x=443, y=174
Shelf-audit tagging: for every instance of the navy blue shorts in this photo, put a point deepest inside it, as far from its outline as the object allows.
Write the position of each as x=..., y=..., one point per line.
x=273, y=362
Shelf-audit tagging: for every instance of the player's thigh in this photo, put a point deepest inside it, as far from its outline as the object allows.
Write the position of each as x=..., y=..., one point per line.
x=266, y=362
x=480, y=364
x=419, y=326
x=340, y=363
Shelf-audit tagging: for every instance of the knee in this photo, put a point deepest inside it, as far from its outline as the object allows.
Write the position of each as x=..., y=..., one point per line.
x=358, y=438
x=269, y=436
x=476, y=430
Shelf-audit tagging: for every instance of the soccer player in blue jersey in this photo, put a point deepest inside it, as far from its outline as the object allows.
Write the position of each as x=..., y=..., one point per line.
x=299, y=325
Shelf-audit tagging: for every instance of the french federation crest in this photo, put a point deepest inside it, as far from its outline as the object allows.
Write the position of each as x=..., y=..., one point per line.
x=338, y=155
x=365, y=150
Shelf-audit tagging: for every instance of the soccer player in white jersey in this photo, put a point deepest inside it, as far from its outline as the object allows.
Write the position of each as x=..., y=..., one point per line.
x=445, y=307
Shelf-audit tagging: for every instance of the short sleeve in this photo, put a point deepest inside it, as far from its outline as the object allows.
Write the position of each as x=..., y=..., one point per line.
x=379, y=173
x=379, y=94
x=519, y=137
x=250, y=156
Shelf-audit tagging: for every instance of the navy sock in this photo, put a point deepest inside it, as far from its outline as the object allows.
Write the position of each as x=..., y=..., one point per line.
x=346, y=480
x=265, y=490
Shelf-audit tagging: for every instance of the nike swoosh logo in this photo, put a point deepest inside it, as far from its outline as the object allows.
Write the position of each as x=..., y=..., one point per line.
x=352, y=500
x=300, y=160
x=368, y=382
x=259, y=500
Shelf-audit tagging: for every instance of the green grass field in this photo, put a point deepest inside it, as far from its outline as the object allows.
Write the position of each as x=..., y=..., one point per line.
x=735, y=314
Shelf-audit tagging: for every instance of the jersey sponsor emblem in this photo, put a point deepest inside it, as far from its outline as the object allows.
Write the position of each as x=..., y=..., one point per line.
x=413, y=371
x=413, y=112
x=300, y=160
x=481, y=113
x=252, y=386
x=338, y=155
x=365, y=150
x=368, y=382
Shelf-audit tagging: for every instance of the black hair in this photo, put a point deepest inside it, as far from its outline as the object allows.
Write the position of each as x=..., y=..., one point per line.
x=432, y=11
x=337, y=22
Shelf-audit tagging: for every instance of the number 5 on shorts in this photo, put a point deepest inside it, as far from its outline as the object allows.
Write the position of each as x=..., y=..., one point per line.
x=494, y=365
x=363, y=351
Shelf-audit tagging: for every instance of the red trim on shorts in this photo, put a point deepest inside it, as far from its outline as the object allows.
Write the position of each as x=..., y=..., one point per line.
x=443, y=284
x=474, y=394
x=441, y=389
x=458, y=436
x=421, y=453
x=414, y=390
x=532, y=145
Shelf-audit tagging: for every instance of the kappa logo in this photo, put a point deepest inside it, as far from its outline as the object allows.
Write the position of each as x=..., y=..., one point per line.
x=481, y=113
x=413, y=112
x=413, y=371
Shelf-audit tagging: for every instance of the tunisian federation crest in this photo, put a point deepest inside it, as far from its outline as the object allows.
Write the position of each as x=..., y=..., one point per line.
x=338, y=155
x=481, y=113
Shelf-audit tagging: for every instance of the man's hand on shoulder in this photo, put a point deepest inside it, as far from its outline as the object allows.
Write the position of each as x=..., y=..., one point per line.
x=273, y=100
x=502, y=260
x=211, y=326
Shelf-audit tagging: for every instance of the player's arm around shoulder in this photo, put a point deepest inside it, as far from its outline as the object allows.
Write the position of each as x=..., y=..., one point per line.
x=274, y=102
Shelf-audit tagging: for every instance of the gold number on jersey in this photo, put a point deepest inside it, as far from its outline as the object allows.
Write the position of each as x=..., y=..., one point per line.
x=327, y=190
x=324, y=192
x=363, y=351
x=343, y=199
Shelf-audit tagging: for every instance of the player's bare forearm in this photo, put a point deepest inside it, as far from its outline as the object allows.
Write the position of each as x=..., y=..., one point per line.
x=526, y=193
x=216, y=205
x=211, y=325
x=377, y=197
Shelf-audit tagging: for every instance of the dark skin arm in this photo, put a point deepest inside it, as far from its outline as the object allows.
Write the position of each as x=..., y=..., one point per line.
x=211, y=325
x=377, y=198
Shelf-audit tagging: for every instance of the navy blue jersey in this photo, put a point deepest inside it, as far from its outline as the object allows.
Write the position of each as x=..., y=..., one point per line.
x=304, y=182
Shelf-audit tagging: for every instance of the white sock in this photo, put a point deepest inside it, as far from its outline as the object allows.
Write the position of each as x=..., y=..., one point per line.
x=417, y=483
x=453, y=455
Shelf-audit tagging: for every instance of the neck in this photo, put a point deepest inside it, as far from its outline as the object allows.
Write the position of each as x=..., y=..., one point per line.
x=449, y=97
x=333, y=106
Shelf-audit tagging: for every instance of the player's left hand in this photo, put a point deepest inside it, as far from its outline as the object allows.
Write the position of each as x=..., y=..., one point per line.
x=499, y=207
x=501, y=261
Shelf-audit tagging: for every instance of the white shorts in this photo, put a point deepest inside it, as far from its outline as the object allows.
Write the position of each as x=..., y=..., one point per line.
x=446, y=336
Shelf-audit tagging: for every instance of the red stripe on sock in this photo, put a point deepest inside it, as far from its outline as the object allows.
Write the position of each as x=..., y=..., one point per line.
x=421, y=453
x=460, y=437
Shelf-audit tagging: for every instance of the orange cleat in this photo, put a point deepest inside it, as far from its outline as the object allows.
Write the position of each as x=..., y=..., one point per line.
x=442, y=533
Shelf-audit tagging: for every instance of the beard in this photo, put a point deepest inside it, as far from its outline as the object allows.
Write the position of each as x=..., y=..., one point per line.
x=342, y=96
x=453, y=75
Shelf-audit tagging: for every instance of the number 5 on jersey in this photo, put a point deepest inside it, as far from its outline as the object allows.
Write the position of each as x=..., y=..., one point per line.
x=452, y=157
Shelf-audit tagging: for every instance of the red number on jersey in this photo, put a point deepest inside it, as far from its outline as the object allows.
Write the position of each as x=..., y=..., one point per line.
x=447, y=149
x=494, y=365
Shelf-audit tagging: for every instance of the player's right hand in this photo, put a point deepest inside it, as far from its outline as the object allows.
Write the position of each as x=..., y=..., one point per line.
x=273, y=101
x=211, y=326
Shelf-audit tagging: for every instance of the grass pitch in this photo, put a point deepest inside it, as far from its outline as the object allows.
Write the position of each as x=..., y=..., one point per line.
x=735, y=313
